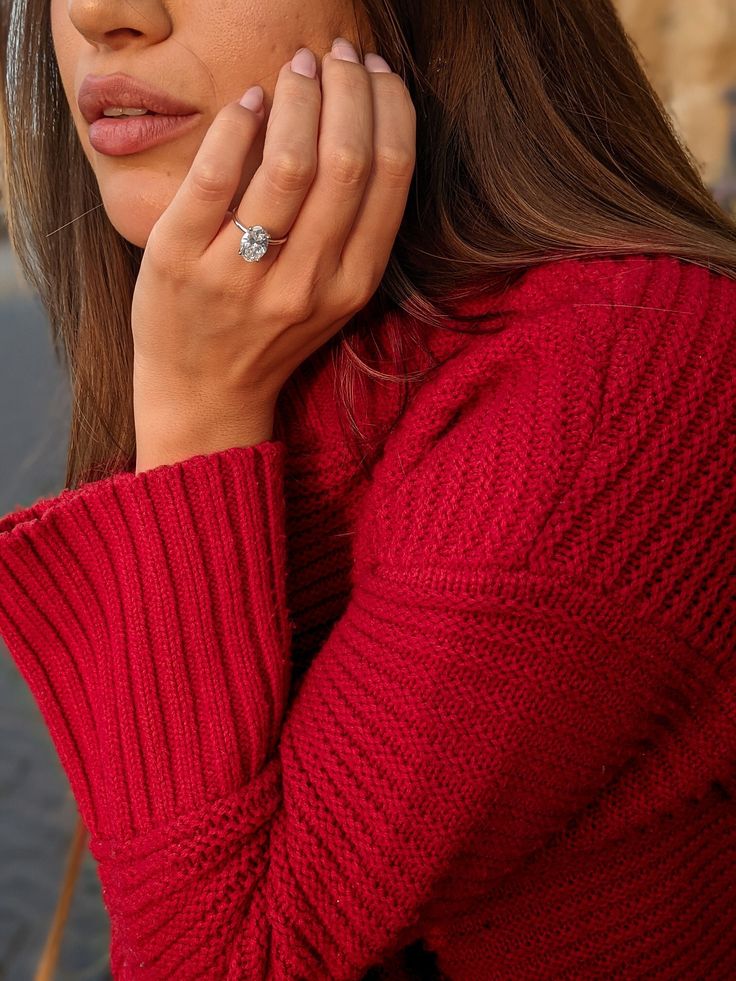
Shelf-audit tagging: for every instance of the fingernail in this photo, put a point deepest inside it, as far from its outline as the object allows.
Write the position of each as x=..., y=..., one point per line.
x=253, y=98
x=304, y=63
x=375, y=63
x=343, y=49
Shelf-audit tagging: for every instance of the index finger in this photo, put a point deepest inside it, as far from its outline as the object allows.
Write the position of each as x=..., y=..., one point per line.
x=201, y=203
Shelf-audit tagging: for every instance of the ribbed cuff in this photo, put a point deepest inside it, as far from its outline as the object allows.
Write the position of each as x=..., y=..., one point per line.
x=147, y=613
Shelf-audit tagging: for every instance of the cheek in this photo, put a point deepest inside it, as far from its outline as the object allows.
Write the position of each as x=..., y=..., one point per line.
x=60, y=29
x=67, y=48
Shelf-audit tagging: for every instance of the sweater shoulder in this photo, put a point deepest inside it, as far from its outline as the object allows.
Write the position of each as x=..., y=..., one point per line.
x=582, y=439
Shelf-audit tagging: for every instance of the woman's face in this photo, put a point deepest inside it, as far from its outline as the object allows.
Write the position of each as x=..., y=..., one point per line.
x=205, y=54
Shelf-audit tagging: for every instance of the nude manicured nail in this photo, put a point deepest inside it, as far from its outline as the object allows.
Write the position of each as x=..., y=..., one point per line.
x=253, y=98
x=375, y=63
x=304, y=63
x=343, y=49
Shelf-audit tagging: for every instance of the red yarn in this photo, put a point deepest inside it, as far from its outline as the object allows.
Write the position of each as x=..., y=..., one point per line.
x=513, y=741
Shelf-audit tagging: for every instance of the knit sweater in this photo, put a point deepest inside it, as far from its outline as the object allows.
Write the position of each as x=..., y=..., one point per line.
x=472, y=714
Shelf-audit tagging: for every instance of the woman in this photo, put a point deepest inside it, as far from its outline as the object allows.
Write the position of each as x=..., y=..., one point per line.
x=385, y=626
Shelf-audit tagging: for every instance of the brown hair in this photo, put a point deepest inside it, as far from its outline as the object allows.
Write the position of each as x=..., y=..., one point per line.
x=538, y=137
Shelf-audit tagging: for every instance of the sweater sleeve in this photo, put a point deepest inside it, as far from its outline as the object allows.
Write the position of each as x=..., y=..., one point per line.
x=438, y=737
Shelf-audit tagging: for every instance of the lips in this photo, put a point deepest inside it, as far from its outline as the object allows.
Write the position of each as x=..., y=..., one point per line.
x=122, y=135
x=100, y=92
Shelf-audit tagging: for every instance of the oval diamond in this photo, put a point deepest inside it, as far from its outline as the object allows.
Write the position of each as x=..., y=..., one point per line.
x=254, y=243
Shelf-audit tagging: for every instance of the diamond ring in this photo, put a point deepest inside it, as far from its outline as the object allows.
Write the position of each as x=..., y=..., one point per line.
x=255, y=241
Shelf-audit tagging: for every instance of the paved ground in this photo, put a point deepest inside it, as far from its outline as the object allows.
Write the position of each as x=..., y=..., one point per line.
x=37, y=811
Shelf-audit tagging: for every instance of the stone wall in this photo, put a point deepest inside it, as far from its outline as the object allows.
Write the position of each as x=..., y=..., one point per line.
x=688, y=48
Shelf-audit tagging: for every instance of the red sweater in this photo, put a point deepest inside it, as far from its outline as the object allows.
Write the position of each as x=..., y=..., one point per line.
x=513, y=741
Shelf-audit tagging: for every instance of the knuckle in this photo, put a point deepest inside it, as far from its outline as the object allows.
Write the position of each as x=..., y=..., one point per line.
x=395, y=162
x=357, y=291
x=362, y=297
x=288, y=169
x=210, y=181
x=347, y=165
x=297, y=305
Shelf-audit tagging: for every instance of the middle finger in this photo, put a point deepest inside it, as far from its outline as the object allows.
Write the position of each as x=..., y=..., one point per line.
x=315, y=167
x=345, y=161
x=277, y=190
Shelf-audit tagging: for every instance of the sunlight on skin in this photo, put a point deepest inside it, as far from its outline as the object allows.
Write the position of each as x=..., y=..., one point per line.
x=206, y=55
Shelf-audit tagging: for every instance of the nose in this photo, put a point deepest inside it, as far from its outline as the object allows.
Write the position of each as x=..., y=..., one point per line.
x=115, y=24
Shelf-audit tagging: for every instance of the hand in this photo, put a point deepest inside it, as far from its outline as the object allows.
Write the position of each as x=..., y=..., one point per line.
x=216, y=337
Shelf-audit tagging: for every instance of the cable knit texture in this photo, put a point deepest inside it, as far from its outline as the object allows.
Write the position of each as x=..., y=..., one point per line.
x=471, y=716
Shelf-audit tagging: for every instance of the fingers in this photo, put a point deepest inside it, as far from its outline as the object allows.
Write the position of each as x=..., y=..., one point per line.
x=376, y=225
x=200, y=205
x=276, y=193
x=344, y=160
x=336, y=171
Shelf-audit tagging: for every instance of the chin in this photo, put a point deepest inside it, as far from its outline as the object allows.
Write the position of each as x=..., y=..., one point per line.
x=134, y=198
x=133, y=212
x=134, y=231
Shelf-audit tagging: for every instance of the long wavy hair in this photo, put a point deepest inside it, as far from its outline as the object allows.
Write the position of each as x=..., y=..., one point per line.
x=539, y=137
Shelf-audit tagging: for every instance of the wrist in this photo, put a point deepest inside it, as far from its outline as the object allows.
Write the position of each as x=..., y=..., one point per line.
x=157, y=445
x=176, y=419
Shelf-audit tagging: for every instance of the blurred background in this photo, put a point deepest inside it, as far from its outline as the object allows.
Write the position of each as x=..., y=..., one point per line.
x=688, y=48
